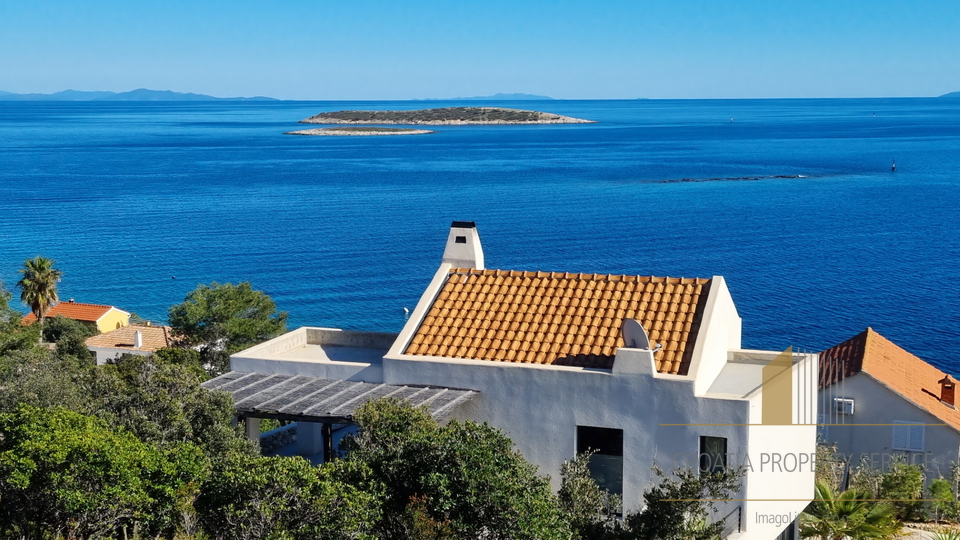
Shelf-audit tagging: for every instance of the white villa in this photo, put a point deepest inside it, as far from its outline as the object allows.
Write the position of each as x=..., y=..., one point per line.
x=645, y=370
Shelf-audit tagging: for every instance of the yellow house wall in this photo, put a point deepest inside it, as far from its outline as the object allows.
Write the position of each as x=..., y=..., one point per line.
x=112, y=320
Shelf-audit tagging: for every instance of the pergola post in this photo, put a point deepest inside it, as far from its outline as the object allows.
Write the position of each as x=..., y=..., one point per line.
x=252, y=428
x=327, y=442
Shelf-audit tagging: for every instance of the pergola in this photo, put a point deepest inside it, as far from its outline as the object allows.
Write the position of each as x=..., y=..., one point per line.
x=315, y=401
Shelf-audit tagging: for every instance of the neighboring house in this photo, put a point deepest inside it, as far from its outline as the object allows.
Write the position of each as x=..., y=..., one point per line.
x=645, y=370
x=134, y=339
x=878, y=401
x=103, y=318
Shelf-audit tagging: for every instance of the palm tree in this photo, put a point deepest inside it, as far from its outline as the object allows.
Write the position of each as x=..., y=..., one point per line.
x=38, y=287
x=848, y=515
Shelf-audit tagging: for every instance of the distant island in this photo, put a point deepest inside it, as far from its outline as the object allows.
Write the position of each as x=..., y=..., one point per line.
x=444, y=116
x=359, y=131
x=952, y=95
x=497, y=97
x=140, y=94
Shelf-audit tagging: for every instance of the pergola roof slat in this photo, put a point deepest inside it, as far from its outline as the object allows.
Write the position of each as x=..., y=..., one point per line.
x=315, y=399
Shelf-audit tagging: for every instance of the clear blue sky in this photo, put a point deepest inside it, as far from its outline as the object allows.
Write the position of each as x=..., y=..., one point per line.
x=365, y=49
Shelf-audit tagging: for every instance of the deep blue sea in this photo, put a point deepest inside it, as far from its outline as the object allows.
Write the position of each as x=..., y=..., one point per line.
x=140, y=202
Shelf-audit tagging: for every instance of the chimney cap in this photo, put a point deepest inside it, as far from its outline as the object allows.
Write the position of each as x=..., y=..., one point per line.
x=946, y=380
x=464, y=225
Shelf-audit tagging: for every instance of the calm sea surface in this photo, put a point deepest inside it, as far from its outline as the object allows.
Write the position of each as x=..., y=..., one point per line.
x=140, y=202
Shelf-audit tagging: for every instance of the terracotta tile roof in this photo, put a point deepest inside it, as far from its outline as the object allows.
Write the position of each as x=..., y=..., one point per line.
x=559, y=318
x=154, y=337
x=73, y=310
x=869, y=352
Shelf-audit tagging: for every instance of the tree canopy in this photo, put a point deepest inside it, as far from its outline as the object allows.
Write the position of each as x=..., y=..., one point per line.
x=221, y=319
x=72, y=476
x=38, y=286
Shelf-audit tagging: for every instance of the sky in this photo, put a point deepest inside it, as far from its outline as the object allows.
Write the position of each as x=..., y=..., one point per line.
x=410, y=49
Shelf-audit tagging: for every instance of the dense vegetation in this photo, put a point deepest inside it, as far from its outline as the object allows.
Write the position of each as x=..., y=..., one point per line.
x=446, y=115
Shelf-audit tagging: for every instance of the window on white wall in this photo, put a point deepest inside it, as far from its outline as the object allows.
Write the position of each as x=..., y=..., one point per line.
x=606, y=463
x=907, y=436
x=713, y=454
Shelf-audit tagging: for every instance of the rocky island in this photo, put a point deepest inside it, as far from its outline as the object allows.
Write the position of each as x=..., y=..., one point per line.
x=360, y=131
x=444, y=116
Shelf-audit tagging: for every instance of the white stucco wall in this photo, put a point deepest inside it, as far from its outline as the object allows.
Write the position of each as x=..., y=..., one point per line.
x=875, y=403
x=319, y=352
x=105, y=354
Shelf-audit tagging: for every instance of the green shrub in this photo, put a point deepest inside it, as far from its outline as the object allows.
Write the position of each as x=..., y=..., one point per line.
x=942, y=504
x=679, y=507
x=71, y=475
x=468, y=476
x=903, y=484
x=253, y=498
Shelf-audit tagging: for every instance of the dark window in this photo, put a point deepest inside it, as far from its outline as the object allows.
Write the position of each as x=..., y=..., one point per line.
x=713, y=454
x=606, y=463
x=460, y=239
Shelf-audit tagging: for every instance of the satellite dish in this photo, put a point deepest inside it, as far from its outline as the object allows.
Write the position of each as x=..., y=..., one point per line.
x=634, y=336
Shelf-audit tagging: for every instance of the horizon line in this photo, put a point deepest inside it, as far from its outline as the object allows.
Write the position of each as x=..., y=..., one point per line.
x=480, y=97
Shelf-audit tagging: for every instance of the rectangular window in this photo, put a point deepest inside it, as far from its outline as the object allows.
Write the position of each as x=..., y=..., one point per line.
x=713, y=454
x=606, y=463
x=907, y=436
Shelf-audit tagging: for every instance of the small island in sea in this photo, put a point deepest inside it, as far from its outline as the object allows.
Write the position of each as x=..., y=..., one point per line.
x=444, y=116
x=360, y=131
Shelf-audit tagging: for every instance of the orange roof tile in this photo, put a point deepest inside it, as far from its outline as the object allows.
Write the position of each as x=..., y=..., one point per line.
x=559, y=318
x=73, y=310
x=154, y=337
x=892, y=366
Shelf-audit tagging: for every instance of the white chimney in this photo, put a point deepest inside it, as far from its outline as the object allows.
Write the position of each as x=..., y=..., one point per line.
x=463, y=246
x=137, y=339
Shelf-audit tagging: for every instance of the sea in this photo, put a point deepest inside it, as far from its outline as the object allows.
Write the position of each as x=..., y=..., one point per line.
x=793, y=201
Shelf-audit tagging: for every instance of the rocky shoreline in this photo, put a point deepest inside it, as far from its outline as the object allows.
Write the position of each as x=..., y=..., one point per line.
x=359, y=132
x=448, y=116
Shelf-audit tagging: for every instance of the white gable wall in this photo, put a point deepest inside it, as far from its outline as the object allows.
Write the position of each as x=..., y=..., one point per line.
x=105, y=354
x=719, y=332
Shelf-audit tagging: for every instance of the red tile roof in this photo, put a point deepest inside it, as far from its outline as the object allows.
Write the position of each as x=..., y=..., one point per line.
x=907, y=375
x=559, y=318
x=74, y=310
